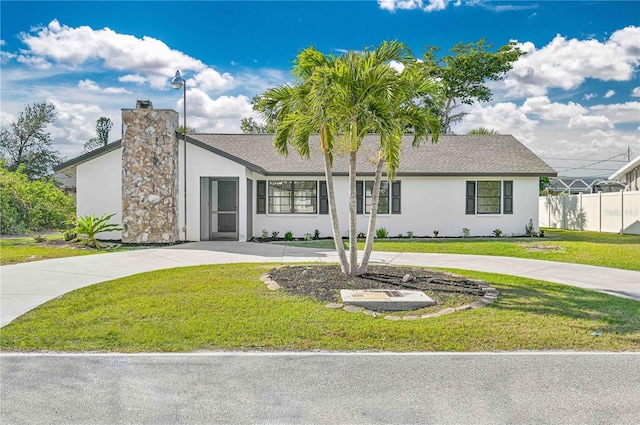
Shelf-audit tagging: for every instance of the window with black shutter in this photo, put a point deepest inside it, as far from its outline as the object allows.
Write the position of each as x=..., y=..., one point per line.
x=359, y=197
x=471, y=197
x=261, y=197
x=395, y=197
x=508, y=197
x=323, y=207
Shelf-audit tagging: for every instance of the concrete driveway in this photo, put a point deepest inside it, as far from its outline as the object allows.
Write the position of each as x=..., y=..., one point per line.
x=27, y=285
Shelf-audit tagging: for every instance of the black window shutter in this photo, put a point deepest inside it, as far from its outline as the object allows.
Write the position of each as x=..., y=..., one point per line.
x=471, y=197
x=395, y=198
x=323, y=199
x=261, y=197
x=508, y=197
x=359, y=197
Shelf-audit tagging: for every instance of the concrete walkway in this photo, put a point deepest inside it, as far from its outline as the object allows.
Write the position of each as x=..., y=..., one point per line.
x=27, y=285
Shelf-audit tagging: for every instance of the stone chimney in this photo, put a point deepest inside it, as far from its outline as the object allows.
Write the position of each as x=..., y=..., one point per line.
x=149, y=175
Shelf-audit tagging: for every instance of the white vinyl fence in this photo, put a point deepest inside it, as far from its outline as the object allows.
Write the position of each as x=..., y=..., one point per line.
x=615, y=212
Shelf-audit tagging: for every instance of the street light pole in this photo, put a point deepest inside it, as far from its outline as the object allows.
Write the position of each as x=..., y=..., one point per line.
x=177, y=83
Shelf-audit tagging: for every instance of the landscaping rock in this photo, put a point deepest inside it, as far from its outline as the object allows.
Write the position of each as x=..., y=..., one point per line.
x=334, y=305
x=352, y=308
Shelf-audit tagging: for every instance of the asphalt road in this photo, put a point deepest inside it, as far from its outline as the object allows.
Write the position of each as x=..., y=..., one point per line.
x=321, y=388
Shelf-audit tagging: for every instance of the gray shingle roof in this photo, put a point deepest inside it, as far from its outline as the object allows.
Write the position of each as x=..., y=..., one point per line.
x=482, y=155
x=452, y=155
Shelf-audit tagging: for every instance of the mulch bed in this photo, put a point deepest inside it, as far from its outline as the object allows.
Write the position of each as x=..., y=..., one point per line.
x=324, y=282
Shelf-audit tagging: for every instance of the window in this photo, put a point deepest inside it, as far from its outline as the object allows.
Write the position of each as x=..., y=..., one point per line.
x=383, y=201
x=293, y=197
x=323, y=199
x=489, y=197
x=261, y=197
x=364, y=195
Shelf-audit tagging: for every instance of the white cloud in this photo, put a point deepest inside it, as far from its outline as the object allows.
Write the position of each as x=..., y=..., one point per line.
x=199, y=104
x=609, y=93
x=566, y=63
x=74, y=125
x=73, y=47
x=589, y=96
x=635, y=92
x=619, y=113
x=2, y=42
x=211, y=80
x=504, y=117
x=589, y=122
x=427, y=6
x=133, y=78
x=6, y=118
x=88, y=85
x=542, y=107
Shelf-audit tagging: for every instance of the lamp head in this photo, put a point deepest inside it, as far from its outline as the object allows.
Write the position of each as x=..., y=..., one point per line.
x=177, y=82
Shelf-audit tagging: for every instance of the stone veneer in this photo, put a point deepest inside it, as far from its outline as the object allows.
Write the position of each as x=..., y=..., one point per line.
x=150, y=176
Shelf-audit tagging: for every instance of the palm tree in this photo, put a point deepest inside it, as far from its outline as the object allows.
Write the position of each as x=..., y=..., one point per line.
x=482, y=130
x=343, y=99
x=299, y=111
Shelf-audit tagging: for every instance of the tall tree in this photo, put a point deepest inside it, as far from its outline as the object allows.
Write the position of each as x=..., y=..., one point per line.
x=27, y=142
x=344, y=98
x=464, y=73
x=103, y=127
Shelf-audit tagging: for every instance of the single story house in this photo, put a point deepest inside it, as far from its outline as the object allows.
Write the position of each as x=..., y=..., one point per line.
x=164, y=187
x=630, y=174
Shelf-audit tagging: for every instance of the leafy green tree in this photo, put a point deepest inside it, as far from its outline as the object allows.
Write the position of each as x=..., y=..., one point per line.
x=31, y=205
x=464, y=73
x=483, y=130
x=251, y=126
x=103, y=127
x=27, y=142
x=345, y=98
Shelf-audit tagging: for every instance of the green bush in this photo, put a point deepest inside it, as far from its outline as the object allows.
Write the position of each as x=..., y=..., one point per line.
x=31, y=205
x=288, y=236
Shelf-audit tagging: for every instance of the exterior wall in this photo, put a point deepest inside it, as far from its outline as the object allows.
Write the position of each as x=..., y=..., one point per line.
x=427, y=204
x=633, y=179
x=99, y=189
x=598, y=212
x=202, y=163
x=149, y=176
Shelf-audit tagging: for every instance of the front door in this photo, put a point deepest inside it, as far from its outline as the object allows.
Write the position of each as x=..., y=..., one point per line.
x=219, y=208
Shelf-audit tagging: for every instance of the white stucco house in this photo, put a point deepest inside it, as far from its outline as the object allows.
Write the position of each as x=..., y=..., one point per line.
x=236, y=185
x=630, y=174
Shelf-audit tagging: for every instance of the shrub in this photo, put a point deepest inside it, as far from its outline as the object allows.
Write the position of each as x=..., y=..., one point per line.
x=435, y=233
x=410, y=234
x=274, y=234
x=497, y=233
x=288, y=236
x=382, y=233
x=39, y=239
x=466, y=232
x=308, y=236
x=528, y=229
x=90, y=226
x=265, y=233
x=316, y=234
x=361, y=235
x=31, y=205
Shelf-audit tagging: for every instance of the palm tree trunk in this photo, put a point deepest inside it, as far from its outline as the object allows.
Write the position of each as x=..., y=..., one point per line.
x=333, y=214
x=353, y=218
x=373, y=215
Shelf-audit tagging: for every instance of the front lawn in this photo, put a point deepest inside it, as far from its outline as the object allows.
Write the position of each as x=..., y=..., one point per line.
x=22, y=250
x=226, y=307
x=597, y=249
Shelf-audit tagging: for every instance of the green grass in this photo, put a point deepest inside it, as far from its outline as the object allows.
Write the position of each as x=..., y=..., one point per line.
x=598, y=249
x=21, y=250
x=226, y=307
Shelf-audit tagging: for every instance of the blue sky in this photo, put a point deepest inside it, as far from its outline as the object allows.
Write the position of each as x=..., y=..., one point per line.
x=574, y=99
